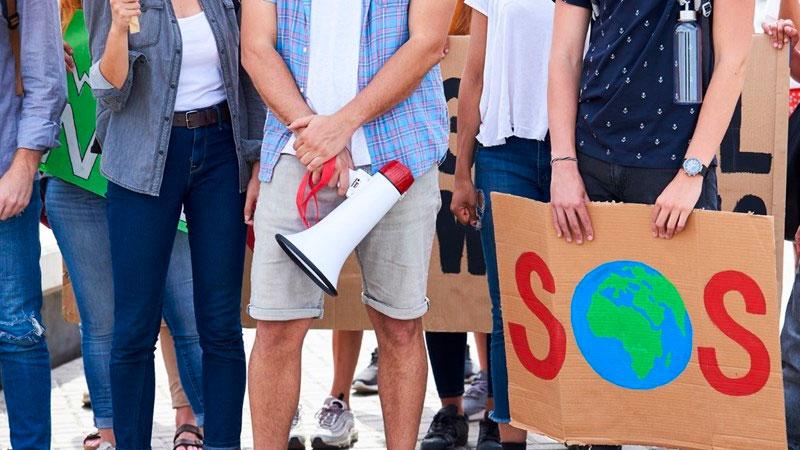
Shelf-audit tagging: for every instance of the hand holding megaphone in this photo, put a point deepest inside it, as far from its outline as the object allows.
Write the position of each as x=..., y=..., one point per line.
x=321, y=250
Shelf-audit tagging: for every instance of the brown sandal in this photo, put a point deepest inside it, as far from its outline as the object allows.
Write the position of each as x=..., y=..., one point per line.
x=186, y=443
x=92, y=437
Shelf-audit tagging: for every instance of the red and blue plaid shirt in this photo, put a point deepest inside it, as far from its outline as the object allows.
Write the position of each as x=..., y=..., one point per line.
x=414, y=132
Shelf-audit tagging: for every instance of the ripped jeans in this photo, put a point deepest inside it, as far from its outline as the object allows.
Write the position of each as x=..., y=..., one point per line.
x=24, y=360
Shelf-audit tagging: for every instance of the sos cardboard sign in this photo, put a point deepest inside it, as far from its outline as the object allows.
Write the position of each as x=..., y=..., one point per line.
x=637, y=340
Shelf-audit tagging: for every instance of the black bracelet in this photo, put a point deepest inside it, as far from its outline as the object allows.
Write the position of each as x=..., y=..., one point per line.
x=563, y=158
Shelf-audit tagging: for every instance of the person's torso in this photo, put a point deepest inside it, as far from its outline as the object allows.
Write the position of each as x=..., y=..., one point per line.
x=132, y=157
x=514, y=97
x=334, y=47
x=422, y=116
x=201, y=81
x=627, y=114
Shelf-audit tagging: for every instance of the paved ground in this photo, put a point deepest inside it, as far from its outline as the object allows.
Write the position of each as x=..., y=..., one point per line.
x=71, y=423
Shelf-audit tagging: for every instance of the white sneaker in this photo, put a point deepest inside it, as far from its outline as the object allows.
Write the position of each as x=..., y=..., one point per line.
x=297, y=440
x=336, y=428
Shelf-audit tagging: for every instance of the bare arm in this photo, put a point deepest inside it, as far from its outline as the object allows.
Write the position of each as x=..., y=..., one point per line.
x=469, y=120
x=731, y=35
x=267, y=69
x=568, y=194
x=731, y=49
x=326, y=136
x=114, y=63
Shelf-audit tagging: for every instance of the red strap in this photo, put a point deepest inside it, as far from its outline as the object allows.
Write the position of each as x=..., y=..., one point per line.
x=303, y=199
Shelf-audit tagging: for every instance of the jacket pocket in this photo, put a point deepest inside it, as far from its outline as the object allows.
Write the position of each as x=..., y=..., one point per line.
x=150, y=23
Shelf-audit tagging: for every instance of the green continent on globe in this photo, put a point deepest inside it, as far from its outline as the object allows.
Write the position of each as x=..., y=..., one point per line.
x=638, y=325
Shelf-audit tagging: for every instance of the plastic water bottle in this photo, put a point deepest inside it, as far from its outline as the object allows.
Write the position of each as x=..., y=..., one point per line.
x=688, y=56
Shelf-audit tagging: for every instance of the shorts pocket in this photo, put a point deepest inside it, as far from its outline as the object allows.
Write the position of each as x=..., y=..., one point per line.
x=149, y=25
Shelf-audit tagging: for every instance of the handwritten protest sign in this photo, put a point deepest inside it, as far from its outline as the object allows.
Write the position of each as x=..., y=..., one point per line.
x=638, y=340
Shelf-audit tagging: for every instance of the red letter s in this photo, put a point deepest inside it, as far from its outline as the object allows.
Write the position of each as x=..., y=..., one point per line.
x=715, y=291
x=549, y=367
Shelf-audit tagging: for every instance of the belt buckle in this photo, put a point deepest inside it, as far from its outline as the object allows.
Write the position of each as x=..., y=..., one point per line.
x=187, y=117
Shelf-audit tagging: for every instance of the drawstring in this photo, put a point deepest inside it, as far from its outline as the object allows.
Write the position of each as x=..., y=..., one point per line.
x=304, y=198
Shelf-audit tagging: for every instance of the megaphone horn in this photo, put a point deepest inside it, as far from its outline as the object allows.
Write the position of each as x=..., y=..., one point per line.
x=322, y=250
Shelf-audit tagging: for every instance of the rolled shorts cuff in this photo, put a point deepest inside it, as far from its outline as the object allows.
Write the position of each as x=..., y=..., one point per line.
x=104, y=423
x=394, y=312
x=277, y=315
x=493, y=416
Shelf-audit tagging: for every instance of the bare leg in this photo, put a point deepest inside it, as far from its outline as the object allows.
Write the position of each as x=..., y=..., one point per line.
x=483, y=352
x=402, y=375
x=274, y=388
x=512, y=434
x=346, y=347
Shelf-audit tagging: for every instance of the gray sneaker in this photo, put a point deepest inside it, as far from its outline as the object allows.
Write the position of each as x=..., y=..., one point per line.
x=475, y=398
x=366, y=382
x=297, y=440
x=336, y=427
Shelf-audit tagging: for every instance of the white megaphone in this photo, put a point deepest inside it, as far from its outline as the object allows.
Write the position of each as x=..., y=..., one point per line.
x=322, y=249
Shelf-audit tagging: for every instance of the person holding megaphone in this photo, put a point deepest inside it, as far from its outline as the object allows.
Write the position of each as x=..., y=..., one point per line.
x=348, y=84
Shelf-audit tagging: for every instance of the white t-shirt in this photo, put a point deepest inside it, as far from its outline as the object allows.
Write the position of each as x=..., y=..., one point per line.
x=335, y=47
x=514, y=98
x=200, y=84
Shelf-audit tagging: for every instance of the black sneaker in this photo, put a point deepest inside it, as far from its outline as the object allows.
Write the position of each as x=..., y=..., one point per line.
x=366, y=382
x=448, y=430
x=488, y=435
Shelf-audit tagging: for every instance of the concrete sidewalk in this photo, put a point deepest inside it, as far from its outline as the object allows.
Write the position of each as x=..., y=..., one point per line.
x=71, y=422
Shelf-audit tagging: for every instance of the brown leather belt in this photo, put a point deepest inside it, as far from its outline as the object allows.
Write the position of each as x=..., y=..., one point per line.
x=202, y=117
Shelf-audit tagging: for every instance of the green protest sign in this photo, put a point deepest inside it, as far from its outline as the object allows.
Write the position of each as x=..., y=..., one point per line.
x=73, y=161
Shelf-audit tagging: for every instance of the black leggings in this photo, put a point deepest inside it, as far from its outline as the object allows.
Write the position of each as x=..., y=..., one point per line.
x=447, y=352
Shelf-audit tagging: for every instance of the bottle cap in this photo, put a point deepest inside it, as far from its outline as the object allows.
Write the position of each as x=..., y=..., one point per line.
x=688, y=15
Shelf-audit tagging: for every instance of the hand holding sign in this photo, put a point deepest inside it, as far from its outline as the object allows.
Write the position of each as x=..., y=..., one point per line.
x=125, y=14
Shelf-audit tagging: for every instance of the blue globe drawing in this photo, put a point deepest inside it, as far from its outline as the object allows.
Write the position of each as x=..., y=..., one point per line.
x=631, y=325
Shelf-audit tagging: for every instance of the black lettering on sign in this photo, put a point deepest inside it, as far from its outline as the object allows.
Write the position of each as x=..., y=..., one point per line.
x=733, y=159
x=751, y=204
x=452, y=235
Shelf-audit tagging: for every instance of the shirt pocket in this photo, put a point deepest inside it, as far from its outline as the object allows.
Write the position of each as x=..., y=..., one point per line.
x=150, y=23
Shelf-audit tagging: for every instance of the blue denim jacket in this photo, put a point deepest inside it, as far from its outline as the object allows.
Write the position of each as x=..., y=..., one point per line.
x=33, y=120
x=134, y=123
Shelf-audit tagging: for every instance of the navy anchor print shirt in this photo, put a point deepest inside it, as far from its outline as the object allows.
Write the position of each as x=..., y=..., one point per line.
x=626, y=113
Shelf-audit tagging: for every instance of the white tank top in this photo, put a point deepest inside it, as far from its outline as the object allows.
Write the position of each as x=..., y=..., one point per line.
x=200, y=84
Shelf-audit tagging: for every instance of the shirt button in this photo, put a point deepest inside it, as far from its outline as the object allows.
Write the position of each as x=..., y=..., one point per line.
x=161, y=152
x=172, y=85
x=166, y=118
x=302, y=90
x=305, y=49
x=173, y=21
x=222, y=51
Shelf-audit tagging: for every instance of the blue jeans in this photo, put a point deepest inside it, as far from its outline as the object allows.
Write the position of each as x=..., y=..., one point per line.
x=790, y=351
x=24, y=360
x=520, y=167
x=80, y=225
x=202, y=175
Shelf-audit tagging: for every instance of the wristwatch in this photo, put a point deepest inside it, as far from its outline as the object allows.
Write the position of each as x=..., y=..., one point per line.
x=694, y=167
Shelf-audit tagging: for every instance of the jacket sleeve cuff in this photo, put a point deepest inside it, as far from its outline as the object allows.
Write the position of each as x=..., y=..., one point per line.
x=251, y=150
x=37, y=133
x=106, y=94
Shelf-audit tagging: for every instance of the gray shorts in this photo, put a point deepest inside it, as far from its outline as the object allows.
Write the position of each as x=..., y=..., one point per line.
x=394, y=257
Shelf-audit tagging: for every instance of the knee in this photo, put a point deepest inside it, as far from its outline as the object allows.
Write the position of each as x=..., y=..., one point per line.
x=399, y=333
x=286, y=337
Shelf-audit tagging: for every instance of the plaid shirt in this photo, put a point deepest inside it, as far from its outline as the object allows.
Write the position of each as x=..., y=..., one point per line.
x=415, y=131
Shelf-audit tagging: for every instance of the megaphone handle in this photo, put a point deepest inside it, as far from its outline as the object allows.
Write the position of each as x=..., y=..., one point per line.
x=303, y=199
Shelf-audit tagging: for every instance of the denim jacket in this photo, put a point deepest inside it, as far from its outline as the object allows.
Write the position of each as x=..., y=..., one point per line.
x=134, y=122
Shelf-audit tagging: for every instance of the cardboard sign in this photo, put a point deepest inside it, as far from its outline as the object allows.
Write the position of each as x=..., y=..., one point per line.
x=457, y=287
x=631, y=339
x=752, y=158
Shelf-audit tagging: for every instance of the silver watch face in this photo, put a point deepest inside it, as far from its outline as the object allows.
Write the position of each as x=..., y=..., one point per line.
x=692, y=166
